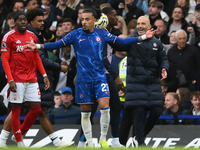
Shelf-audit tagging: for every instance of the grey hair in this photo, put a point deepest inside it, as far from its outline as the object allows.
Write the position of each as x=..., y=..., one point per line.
x=178, y=31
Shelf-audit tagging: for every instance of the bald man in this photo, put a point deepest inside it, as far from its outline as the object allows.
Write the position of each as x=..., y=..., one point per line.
x=146, y=62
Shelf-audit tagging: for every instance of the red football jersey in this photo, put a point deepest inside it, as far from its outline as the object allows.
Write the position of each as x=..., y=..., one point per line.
x=22, y=60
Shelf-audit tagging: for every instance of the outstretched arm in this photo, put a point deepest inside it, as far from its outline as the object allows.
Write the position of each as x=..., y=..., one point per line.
x=131, y=40
x=49, y=46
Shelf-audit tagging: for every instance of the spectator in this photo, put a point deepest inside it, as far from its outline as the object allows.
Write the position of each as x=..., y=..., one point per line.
x=78, y=22
x=63, y=11
x=177, y=21
x=93, y=3
x=66, y=56
x=49, y=14
x=184, y=97
x=67, y=108
x=131, y=27
x=185, y=58
x=121, y=25
x=195, y=109
x=73, y=4
x=196, y=25
x=67, y=25
x=172, y=39
x=8, y=24
x=172, y=108
x=32, y=4
x=59, y=33
x=116, y=59
x=163, y=87
x=155, y=12
x=185, y=4
x=57, y=100
x=18, y=5
x=129, y=11
x=197, y=2
x=161, y=34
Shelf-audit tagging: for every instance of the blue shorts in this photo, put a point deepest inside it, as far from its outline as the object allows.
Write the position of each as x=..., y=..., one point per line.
x=89, y=92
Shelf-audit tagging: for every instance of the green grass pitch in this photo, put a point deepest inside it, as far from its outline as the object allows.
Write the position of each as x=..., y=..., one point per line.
x=75, y=148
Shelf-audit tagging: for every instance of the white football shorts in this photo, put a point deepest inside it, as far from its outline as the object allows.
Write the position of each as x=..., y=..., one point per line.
x=26, y=91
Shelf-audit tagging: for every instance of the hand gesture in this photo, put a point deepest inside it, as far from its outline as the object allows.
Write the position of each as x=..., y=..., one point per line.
x=64, y=68
x=164, y=74
x=150, y=33
x=121, y=5
x=12, y=86
x=194, y=17
x=47, y=83
x=119, y=83
x=121, y=93
x=191, y=30
x=30, y=45
x=59, y=17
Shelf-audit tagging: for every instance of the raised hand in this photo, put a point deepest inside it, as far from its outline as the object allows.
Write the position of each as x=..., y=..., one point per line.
x=150, y=33
x=64, y=68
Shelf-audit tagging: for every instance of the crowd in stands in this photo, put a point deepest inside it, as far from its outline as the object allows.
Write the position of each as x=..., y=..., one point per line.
x=178, y=24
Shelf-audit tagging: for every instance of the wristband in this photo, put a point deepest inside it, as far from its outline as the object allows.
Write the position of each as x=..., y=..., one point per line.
x=11, y=81
x=143, y=37
x=38, y=46
x=45, y=75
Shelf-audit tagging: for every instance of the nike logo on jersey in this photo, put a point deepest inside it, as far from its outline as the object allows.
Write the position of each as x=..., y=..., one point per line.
x=18, y=41
x=80, y=40
x=139, y=43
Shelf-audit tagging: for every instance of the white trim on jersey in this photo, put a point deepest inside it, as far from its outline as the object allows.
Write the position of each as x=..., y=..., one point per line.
x=7, y=34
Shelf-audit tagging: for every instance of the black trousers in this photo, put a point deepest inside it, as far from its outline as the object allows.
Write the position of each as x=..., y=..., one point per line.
x=137, y=117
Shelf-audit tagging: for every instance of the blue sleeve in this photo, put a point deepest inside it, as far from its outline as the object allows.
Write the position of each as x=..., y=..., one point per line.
x=54, y=45
x=126, y=41
x=61, y=43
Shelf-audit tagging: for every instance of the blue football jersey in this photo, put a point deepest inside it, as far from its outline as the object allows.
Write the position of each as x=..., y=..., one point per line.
x=89, y=49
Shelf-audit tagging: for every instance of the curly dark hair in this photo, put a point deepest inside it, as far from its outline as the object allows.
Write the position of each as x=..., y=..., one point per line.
x=31, y=14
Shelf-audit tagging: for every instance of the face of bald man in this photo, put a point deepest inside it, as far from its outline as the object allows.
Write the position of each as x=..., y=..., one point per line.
x=143, y=25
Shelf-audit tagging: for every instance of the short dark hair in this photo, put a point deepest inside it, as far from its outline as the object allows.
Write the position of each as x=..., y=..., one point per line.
x=10, y=15
x=68, y=20
x=195, y=93
x=31, y=14
x=180, y=8
x=165, y=23
x=17, y=1
x=57, y=93
x=91, y=11
x=107, y=10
